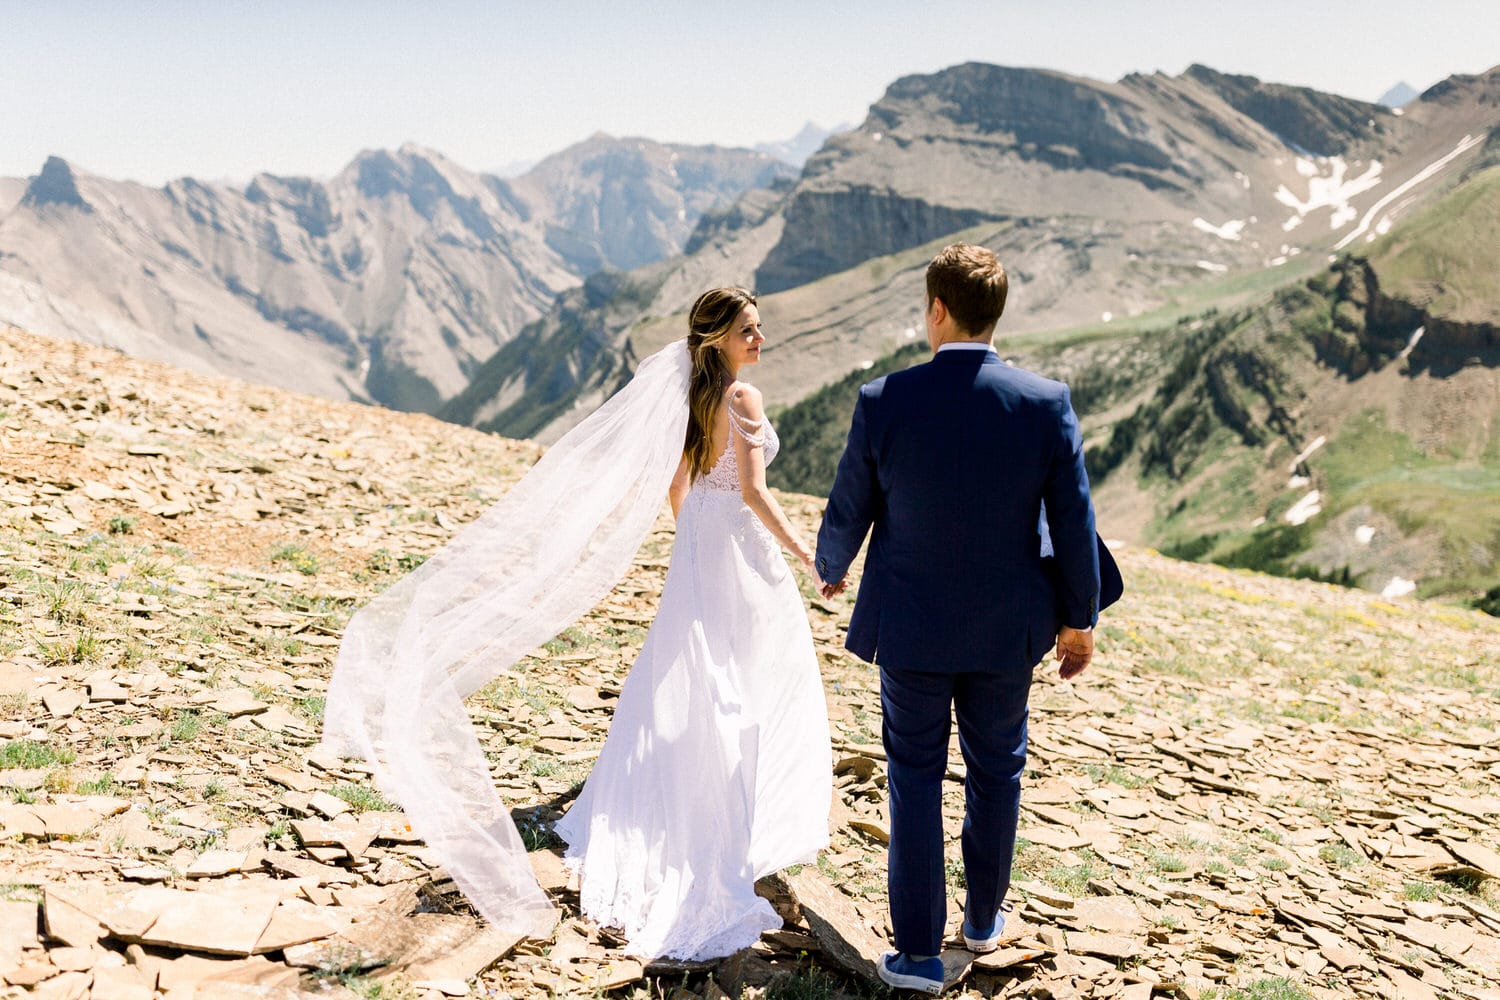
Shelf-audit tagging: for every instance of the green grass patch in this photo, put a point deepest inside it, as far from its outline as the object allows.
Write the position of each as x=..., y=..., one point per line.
x=953, y=874
x=536, y=834
x=80, y=648
x=1074, y=879
x=1419, y=892
x=274, y=642
x=297, y=556
x=1114, y=774
x=810, y=983
x=67, y=601
x=1430, y=258
x=383, y=561
x=186, y=725
x=1275, y=988
x=569, y=640
x=34, y=754
x=542, y=766
x=363, y=798
x=20, y=892
x=105, y=784
x=1164, y=862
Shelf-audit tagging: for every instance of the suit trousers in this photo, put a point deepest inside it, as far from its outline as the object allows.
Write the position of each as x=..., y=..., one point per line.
x=919, y=709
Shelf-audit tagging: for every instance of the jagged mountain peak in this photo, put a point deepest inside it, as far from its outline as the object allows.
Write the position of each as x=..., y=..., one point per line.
x=55, y=184
x=808, y=140
x=381, y=171
x=428, y=181
x=1401, y=94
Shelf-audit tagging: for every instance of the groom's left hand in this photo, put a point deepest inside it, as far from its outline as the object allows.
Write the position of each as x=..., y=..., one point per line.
x=1075, y=649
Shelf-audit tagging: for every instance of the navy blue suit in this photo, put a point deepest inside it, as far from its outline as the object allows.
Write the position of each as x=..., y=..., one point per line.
x=950, y=463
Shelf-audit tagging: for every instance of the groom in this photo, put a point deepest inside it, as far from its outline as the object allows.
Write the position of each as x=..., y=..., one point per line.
x=951, y=463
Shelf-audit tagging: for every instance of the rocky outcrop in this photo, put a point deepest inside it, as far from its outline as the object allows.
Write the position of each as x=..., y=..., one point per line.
x=829, y=231
x=54, y=185
x=1319, y=123
x=306, y=199
x=749, y=210
x=1369, y=328
x=1065, y=122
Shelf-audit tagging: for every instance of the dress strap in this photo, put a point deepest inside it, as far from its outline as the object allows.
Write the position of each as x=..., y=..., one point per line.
x=751, y=430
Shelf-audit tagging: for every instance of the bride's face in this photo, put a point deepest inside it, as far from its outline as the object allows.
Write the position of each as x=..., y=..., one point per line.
x=742, y=346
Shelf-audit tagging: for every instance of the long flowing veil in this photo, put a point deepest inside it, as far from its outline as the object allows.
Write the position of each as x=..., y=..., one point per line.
x=535, y=562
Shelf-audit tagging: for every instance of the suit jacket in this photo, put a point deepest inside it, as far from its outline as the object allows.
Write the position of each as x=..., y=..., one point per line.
x=950, y=463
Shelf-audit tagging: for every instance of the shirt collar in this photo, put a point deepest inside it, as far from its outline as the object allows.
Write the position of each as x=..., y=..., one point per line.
x=968, y=347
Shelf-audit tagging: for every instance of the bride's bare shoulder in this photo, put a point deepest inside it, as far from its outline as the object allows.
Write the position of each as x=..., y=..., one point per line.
x=745, y=399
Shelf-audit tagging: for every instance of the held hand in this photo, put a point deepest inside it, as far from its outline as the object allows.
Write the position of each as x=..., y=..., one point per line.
x=1075, y=648
x=830, y=590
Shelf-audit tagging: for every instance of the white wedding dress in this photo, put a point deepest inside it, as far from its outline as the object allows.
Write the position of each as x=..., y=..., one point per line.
x=717, y=767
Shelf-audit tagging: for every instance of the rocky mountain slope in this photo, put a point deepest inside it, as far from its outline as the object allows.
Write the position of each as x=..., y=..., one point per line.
x=1262, y=788
x=622, y=203
x=390, y=282
x=1107, y=201
x=1348, y=428
x=1344, y=427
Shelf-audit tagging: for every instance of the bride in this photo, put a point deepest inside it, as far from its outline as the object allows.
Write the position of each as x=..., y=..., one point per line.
x=717, y=767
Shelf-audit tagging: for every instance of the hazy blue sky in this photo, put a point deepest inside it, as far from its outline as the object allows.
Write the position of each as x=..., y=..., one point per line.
x=223, y=89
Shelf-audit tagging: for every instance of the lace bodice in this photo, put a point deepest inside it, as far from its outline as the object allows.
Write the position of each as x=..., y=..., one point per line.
x=724, y=477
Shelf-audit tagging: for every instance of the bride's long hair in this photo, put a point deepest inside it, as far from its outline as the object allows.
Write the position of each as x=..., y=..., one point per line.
x=709, y=323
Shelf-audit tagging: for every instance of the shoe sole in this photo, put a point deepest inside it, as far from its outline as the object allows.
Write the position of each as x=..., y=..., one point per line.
x=982, y=947
x=902, y=982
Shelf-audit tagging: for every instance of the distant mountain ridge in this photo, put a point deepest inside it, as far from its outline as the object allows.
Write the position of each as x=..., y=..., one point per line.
x=622, y=203
x=977, y=142
x=1106, y=201
x=391, y=282
x=808, y=140
x=1400, y=95
x=517, y=304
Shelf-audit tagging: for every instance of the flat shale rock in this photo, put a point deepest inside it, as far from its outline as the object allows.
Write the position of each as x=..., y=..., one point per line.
x=455, y=947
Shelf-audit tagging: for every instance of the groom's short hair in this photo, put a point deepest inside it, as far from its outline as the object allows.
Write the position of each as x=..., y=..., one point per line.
x=972, y=284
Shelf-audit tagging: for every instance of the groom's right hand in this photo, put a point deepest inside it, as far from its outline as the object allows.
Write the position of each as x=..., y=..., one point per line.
x=1075, y=648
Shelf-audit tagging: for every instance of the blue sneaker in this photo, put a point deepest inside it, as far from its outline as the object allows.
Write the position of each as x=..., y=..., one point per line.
x=904, y=973
x=982, y=940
